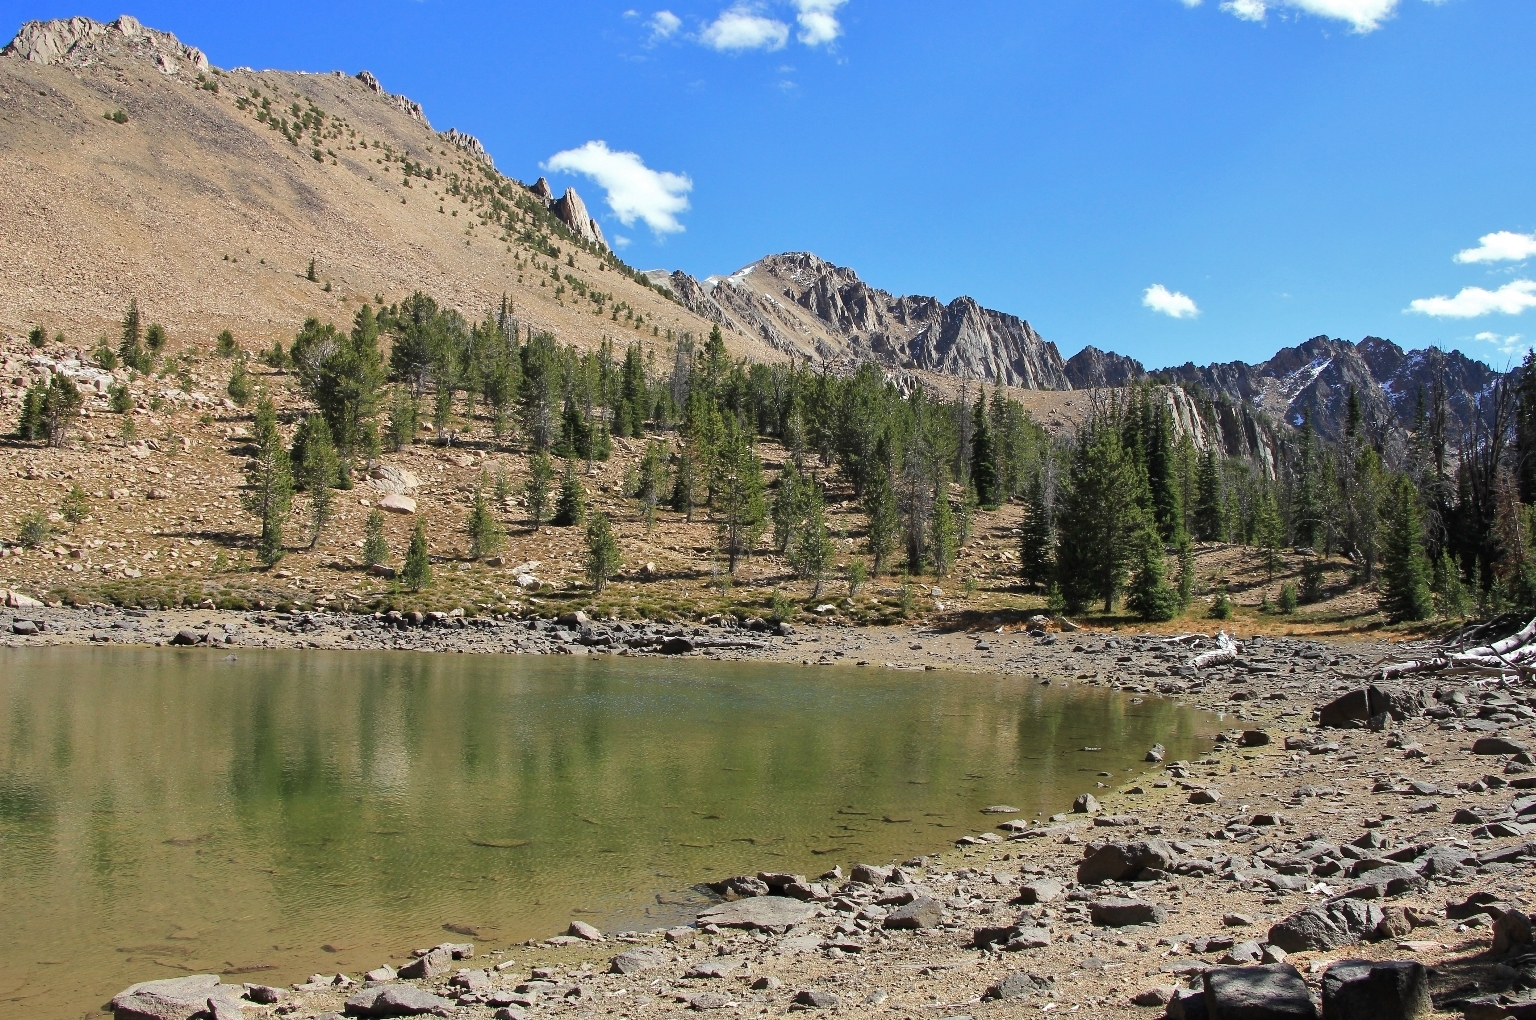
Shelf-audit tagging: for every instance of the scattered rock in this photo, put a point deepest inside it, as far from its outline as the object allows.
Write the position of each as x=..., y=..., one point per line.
x=171, y=999
x=922, y=912
x=1041, y=890
x=397, y=1000
x=1497, y=745
x=1205, y=796
x=583, y=930
x=396, y=503
x=1018, y=983
x=431, y=964
x=1510, y=929
x=1324, y=926
x=1268, y=992
x=817, y=998
x=1255, y=738
x=1123, y=861
x=1118, y=913
x=1085, y=804
x=1376, y=990
x=765, y=912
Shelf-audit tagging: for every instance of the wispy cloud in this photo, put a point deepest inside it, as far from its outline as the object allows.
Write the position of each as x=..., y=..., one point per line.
x=1248, y=10
x=1502, y=246
x=634, y=190
x=744, y=28
x=1510, y=345
x=664, y=25
x=1471, y=302
x=818, y=21
x=1362, y=15
x=1169, y=302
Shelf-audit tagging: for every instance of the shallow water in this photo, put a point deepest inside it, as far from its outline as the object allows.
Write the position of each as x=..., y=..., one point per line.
x=166, y=812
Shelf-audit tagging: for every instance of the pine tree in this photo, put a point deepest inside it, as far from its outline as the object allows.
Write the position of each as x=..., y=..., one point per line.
x=1405, y=571
x=984, y=460
x=1100, y=522
x=1037, y=543
x=540, y=472
x=1451, y=594
x=318, y=471
x=375, y=549
x=880, y=509
x=131, y=350
x=1209, y=513
x=1150, y=596
x=602, y=552
x=1186, y=573
x=571, y=506
x=61, y=406
x=789, y=499
x=1267, y=533
x=31, y=424
x=652, y=482
x=418, y=564
x=810, y=554
x=1162, y=477
x=739, y=499
x=239, y=388
x=485, y=532
x=269, y=482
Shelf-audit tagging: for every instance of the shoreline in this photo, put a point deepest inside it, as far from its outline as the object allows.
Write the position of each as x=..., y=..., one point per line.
x=1240, y=823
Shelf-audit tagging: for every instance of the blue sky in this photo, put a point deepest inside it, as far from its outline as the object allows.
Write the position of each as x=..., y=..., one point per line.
x=1174, y=180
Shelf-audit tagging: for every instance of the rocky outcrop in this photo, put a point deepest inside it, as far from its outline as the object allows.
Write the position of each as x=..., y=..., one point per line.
x=1091, y=368
x=541, y=191
x=572, y=211
x=467, y=143
x=81, y=42
x=409, y=107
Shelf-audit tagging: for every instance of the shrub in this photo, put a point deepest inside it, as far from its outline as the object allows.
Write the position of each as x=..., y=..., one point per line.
x=856, y=574
x=276, y=358
x=418, y=564
x=781, y=608
x=38, y=337
x=1288, y=597
x=119, y=398
x=485, y=532
x=1222, y=608
x=76, y=507
x=1312, y=580
x=106, y=357
x=154, y=338
x=225, y=347
x=239, y=388
x=32, y=530
x=906, y=598
x=602, y=552
x=375, y=549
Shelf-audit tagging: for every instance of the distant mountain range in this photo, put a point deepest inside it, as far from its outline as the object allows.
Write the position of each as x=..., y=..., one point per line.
x=803, y=305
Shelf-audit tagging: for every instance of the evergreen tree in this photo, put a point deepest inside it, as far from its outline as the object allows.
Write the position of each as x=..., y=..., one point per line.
x=942, y=544
x=880, y=509
x=61, y=406
x=269, y=482
x=1267, y=533
x=131, y=350
x=417, y=573
x=1150, y=596
x=811, y=552
x=1162, y=477
x=602, y=552
x=31, y=424
x=155, y=339
x=1100, y=521
x=1405, y=571
x=404, y=420
x=1209, y=512
x=652, y=482
x=485, y=532
x=984, y=460
x=375, y=549
x=76, y=506
x=1306, y=509
x=571, y=506
x=1186, y=573
x=789, y=505
x=1037, y=542
x=540, y=473
x=318, y=471
x=225, y=346
x=239, y=388
x=343, y=374
x=739, y=500
x=1312, y=580
x=1450, y=594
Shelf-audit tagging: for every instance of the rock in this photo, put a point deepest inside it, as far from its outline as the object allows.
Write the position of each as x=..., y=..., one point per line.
x=397, y=503
x=869, y=874
x=392, y=480
x=16, y=600
x=1118, y=913
x=25, y=628
x=1271, y=992
x=765, y=912
x=434, y=963
x=676, y=646
x=719, y=967
x=767, y=984
x=583, y=930
x=710, y=1000
x=742, y=886
x=266, y=995
x=1041, y=890
x=1116, y=821
x=510, y=1013
x=1244, y=952
x=1085, y=804
x=999, y=809
x=1376, y=990
x=817, y=998
x=1255, y=738
x=1158, y=996
x=1510, y=929
x=574, y=621
x=1188, y=1004
x=1205, y=796
x=397, y=1000
x=1237, y=921
x=223, y=1009
x=171, y=999
x=474, y=982
x=636, y=960
x=1324, y=926
x=923, y=912
x=1359, y=707
x=186, y=636
x=1156, y=754
x=1123, y=861
x=1016, y=984
x=1497, y=745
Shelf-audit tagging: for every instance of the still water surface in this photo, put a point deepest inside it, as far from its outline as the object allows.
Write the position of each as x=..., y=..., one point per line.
x=166, y=812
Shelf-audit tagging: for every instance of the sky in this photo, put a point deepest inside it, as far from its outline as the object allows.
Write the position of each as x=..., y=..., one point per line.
x=1177, y=180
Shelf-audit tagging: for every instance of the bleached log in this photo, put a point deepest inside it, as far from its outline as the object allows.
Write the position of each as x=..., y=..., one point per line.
x=1224, y=652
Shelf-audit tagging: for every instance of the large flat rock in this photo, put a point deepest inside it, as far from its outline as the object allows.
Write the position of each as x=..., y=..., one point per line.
x=172, y=999
x=759, y=912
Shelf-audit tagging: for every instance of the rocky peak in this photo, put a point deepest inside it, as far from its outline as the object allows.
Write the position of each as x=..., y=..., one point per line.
x=81, y=42
x=467, y=143
x=409, y=107
x=1091, y=368
x=572, y=211
x=542, y=192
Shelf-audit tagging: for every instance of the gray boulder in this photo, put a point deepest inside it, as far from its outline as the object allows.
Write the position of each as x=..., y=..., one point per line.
x=1376, y=990
x=1359, y=707
x=1497, y=745
x=1118, y=913
x=397, y=1000
x=1041, y=890
x=1275, y=991
x=817, y=998
x=636, y=960
x=1121, y=862
x=1324, y=926
x=774, y=913
x=922, y=912
x=434, y=963
x=1018, y=983
x=172, y=999
x=869, y=874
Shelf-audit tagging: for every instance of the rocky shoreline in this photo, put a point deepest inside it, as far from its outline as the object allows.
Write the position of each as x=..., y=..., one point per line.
x=1330, y=822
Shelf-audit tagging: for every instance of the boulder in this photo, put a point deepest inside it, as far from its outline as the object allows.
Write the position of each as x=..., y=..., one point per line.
x=1085, y=804
x=1041, y=890
x=1511, y=929
x=397, y=503
x=869, y=874
x=922, y=912
x=16, y=600
x=397, y=1000
x=1255, y=738
x=1359, y=707
x=1187, y=1004
x=774, y=913
x=25, y=628
x=1018, y=983
x=1156, y=754
x=1121, y=862
x=1275, y=991
x=1205, y=796
x=1497, y=745
x=1376, y=990
x=583, y=930
x=1324, y=926
x=817, y=998
x=636, y=960
x=676, y=646
x=172, y=999
x=187, y=636
x=434, y=963
x=1118, y=913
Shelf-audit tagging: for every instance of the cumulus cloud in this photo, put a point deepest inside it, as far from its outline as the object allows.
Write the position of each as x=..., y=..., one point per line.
x=743, y=28
x=1190, y=3
x=1510, y=299
x=1169, y=302
x=1362, y=15
x=1502, y=246
x=664, y=25
x=1248, y=10
x=818, y=21
x=634, y=190
x=1507, y=345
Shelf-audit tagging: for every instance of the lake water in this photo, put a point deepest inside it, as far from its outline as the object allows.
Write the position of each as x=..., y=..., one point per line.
x=166, y=812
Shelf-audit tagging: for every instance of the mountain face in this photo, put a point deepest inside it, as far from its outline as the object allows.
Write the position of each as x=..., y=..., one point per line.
x=803, y=305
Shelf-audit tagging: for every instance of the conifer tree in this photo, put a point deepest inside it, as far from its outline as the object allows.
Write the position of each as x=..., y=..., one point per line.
x=1209, y=512
x=942, y=543
x=1267, y=532
x=417, y=572
x=1450, y=594
x=603, y=560
x=1162, y=477
x=739, y=502
x=343, y=374
x=1150, y=596
x=571, y=506
x=984, y=459
x=540, y=473
x=61, y=406
x=1405, y=570
x=269, y=482
x=789, y=504
x=1037, y=542
x=1100, y=522
x=880, y=509
x=375, y=549
x=318, y=470
x=810, y=553
x=1186, y=573
x=131, y=350
x=652, y=482
x=485, y=532
x=239, y=388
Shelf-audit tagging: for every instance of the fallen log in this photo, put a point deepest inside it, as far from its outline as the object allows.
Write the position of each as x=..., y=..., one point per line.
x=1224, y=652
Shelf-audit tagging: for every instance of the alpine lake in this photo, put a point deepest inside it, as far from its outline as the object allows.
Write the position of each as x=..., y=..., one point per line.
x=274, y=814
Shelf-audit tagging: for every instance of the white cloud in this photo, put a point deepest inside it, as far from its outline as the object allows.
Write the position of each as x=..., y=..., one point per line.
x=635, y=191
x=1508, y=345
x=1190, y=3
x=1511, y=299
x=664, y=25
x=1503, y=246
x=621, y=242
x=1248, y=10
x=1169, y=302
x=818, y=21
x=742, y=28
x=1362, y=15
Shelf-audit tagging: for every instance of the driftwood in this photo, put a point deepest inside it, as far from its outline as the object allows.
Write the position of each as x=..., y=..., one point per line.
x=1224, y=652
x=1513, y=656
